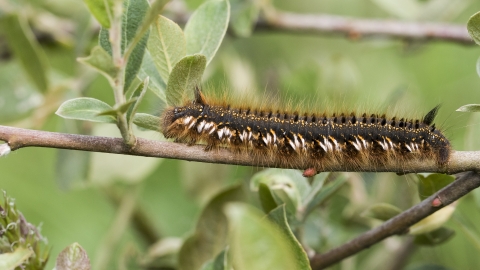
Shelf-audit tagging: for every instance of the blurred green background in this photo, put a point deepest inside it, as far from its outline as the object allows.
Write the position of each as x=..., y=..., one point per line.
x=71, y=200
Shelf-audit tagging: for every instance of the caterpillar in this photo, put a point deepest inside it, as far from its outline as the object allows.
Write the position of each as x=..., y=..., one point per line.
x=306, y=140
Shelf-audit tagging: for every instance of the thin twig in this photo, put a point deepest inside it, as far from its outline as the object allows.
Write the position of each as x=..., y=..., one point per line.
x=460, y=161
x=400, y=223
x=355, y=28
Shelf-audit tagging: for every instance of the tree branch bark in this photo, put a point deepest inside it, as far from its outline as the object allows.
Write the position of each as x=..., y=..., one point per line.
x=360, y=28
x=355, y=28
x=400, y=223
x=460, y=161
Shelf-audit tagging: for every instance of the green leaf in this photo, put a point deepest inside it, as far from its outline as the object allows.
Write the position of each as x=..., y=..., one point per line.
x=11, y=260
x=211, y=232
x=206, y=28
x=85, y=109
x=121, y=109
x=101, y=10
x=478, y=67
x=135, y=12
x=244, y=17
x=186, y=74
x=286, y=186
x=328, y=190
x=382, y=211
x=132, y=19
x=434, y=238
x=100, y=60
x=428, y=185
x=473, y=27
x=469, y=108
x=12, y=82
x=279, y=217
x=219, y=263
x=157, y=84
x=257, y=243
x=22, y=42
x=137, y=96
x=266, y=199
x=166, y=45
x=147, y=121
x=73, y=257
x=432, y=222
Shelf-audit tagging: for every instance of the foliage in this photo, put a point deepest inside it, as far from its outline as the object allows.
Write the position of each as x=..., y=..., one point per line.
x=132, y=62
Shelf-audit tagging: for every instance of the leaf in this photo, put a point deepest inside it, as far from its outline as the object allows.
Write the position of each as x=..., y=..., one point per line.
x=132, y=19
x=266, y=199
x=137, y=96
x=135, y=12
x=432, y=222
x=434, y=238
x=157, y=84
x=85, y=109
x=211, y=232
x=469, y=108
x=286, y=186
x=428, y=185
x=186, y=74
x=18, y=97
x=325, y=193
x=206, y=28
x=147, y=121
x=473, y=27
x=244, y=17
x=257, y=243
x=382, y=211
x=101, y=10
x=100, y=60
x=279, y=217
x=219, y=263
x=162, y=254
x=73, y=257
x=22, y=42
x=166, y=45
x=11, y=260
x=478, y=67
x=119, y=109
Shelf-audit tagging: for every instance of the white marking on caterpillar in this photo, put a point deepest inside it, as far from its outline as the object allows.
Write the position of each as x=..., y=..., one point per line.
x=200, y=126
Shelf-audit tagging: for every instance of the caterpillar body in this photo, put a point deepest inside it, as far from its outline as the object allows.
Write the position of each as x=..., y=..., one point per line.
x=306, y=140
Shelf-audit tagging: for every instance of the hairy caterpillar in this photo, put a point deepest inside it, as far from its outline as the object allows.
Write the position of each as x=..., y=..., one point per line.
x=315, y=141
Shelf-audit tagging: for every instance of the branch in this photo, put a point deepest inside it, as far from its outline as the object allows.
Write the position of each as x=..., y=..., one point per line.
x=460, y=161
x=400, y=223
x=355, y=28
x=360, y=28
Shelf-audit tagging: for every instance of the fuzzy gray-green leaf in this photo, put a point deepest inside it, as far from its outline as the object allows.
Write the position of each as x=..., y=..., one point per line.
x=100, y=60
x=211, y=232
x=473, y=27
x=22, y=42
x=186, y=74
x=101, y=10
x=206, y=28
x=469, y=108
x=279, y=217
x=85, y=109
x=257, y=243
x=166, y=45
x=428, y=185
x=147, y=121
x=11, y=260
x=73, y=257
